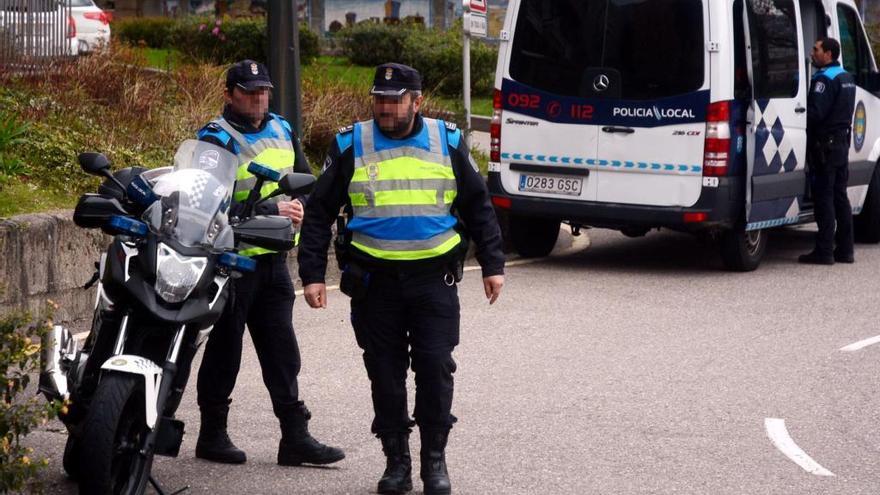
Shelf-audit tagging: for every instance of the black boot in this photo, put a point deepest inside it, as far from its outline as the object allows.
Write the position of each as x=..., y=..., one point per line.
x=814, y=258
x=298, y=446
x=214, y=443
x=397, y=477
x=433, y=456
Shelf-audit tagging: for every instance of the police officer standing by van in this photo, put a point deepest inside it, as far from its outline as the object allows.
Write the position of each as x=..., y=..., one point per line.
x=413, y=199
x=829, y=126
x=264, y=299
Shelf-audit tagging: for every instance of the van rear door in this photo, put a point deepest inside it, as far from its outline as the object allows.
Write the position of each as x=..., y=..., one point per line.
x=612, y=92
x=548, y=137
x=776, y=138
x=651, y=140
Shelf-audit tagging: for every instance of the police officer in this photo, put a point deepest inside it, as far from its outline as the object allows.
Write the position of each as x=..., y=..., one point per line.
x=829, y=123
x=264, y=299
x=414, y=198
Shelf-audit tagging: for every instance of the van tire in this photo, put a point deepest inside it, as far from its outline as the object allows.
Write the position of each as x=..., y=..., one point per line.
x=742, y=251
x=866, y=225
x=533, y=237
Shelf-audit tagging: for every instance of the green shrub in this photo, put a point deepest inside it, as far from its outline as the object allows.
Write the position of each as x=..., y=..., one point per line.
x=370, y=43
x=20, y=413
x=205, y=39
x=153, y=32
x=435, y=53
x=12, y=134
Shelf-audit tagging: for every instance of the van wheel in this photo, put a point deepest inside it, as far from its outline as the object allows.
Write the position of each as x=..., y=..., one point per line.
x=866, y=225
x=533, y=237
x=743, y=250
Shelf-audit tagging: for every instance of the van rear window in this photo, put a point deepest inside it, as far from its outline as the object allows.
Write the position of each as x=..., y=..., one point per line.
x=655, y=47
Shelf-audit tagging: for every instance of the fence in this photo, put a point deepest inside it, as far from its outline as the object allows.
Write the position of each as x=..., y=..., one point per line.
x=35, y=34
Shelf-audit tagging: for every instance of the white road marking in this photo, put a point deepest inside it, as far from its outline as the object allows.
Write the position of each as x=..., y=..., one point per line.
x=861, y=344
x=779, y=436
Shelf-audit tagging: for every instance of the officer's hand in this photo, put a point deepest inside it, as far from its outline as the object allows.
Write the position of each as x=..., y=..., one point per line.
x=292, y=210
x=316, y=295
x=492, y=285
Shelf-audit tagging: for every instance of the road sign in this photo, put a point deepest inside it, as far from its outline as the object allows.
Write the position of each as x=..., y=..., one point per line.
x=478, y=6
x=476, y=25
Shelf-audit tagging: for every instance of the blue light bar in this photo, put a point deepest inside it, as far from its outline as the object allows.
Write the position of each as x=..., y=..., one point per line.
x=264, y=172
x=128, y=226
x=237, y=262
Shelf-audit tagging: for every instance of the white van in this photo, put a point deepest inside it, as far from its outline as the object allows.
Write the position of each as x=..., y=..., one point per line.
x=683, y=114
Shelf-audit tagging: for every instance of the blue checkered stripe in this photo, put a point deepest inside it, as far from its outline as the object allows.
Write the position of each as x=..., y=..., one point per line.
x=774, y=152
x=598, y=163
x=767, y=224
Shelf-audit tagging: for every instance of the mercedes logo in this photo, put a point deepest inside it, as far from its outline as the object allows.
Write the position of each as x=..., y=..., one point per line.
x=601, y=83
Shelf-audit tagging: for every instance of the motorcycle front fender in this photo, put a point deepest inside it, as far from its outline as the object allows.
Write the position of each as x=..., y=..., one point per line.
x=152, y=373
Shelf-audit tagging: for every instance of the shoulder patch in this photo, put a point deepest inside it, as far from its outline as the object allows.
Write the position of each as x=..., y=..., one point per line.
x=451, y=125
x=348, y=128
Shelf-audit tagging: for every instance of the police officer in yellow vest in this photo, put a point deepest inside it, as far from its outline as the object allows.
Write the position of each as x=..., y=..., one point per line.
x=414, y=199
x=264, y=299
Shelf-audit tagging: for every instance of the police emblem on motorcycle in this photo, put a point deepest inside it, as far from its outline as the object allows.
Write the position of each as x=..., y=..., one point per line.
x=209, y=159
x=860, y=125
x=388, y=73
x=373, y=171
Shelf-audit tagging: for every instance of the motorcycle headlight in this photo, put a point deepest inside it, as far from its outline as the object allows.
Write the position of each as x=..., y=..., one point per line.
x=177, y=275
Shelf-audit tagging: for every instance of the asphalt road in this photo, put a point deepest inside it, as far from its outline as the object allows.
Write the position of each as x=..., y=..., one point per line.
x=633, y=366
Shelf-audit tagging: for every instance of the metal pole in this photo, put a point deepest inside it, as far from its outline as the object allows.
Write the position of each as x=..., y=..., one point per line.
x=466, y=69
x=283, y=61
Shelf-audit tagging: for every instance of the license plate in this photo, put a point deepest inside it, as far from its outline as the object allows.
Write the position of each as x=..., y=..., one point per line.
x=569, y=186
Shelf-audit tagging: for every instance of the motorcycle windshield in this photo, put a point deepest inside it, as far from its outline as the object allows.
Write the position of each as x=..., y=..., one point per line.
x=195, y=195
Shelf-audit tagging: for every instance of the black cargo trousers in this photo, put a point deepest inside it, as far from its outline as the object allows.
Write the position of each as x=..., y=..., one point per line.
x=263, y=300
x=403, y=316
x=829, y=174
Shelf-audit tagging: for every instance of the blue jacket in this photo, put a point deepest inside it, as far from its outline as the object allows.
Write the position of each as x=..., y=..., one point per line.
x=831, y=102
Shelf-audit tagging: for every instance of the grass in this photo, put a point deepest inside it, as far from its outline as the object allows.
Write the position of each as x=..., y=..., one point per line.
x=161, y=58
x=329, y=70
x=21, y=197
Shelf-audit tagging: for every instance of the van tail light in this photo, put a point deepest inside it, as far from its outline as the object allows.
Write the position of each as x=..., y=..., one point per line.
x=502, y=202
x=71, y=27
x=98, y=16
x=716, y=156
x=495, y=128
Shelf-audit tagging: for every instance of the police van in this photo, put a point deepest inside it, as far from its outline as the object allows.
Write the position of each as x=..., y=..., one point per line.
x=682, y=114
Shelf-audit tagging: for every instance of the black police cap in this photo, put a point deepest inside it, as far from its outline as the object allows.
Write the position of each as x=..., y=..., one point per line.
x=248, y=75
x=395, y=80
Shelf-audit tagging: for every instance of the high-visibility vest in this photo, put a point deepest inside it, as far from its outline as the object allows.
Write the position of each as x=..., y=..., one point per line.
x=273, y=148
x=401, y=194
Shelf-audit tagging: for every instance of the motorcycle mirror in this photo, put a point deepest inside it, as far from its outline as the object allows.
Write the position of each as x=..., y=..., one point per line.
x=94, y=163
x=296, y=184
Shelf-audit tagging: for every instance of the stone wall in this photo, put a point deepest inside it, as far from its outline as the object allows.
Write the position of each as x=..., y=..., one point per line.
x=45, y=256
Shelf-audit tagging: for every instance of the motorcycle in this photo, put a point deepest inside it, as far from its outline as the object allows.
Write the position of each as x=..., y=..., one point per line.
x=162, y=284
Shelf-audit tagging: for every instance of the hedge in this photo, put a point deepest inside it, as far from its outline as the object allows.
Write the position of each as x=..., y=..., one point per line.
x=435, y=53
x=205, y=39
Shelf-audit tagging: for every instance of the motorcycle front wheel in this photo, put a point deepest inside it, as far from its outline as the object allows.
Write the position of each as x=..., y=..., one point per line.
x=113, y=435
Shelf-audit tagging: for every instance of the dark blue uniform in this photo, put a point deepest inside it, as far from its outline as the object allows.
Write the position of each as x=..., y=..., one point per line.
x=829, y=123
x=264, y=301
x=410, y=310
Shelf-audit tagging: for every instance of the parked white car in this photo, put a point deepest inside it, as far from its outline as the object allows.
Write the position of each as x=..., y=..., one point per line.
x=36, y=28
x=92, y=25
